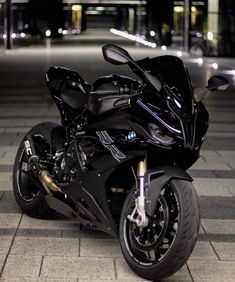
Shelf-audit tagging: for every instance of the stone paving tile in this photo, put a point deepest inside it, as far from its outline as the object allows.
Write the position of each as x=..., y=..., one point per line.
x=226, y=154
x=84, y=268
x=44, y=233
x=218, y=158
x=9, y=156
x=180, y=276
x=82, y=232
x=210, y=154
x=8, y=203
x=232, y=190
x=5, y=243
x=32, y=112
x=203, y=250
x=204, y=173
x=22, y=266
x=222, y=116
x=222, y=157
x=109, y=280
x=210, y=166
x=5, y=181
x=33, y=121
x=17, y=129
x=10, y=139
x=6, y=112
x=100, y=248
x=5, y=122
x=224, y=173
x=9, y=220
x=230, y=238
x=232, y=164
x=219, y=207
x=45, y=246
x=6, y=161
x=124, y=272
x=6, y=168
x=213, y=186
x=7, y=231
x=212, y=271
x=24, y=279
x=26, y=121
x=218, y=226
x=33, y=223
x=218, y=143
x=220, y=134
x=2, y=260
x=4, y=149
x=201, y=230
x=225, y=250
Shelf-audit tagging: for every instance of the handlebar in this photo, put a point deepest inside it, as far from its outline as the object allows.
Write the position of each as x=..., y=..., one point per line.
x=118, y=91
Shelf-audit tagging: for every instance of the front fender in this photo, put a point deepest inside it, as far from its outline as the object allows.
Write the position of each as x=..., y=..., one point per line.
x=156, y=179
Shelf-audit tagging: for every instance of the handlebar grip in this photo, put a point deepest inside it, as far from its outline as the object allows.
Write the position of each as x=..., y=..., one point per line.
x=104, y=92
x=119, y=91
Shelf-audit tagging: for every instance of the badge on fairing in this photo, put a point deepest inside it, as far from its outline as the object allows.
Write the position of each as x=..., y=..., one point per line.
x=107, y=142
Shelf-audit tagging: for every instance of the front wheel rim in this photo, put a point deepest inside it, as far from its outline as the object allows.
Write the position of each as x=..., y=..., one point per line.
x=146, y=247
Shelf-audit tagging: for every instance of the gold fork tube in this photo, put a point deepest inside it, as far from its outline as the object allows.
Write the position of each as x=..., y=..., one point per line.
x=142, y=166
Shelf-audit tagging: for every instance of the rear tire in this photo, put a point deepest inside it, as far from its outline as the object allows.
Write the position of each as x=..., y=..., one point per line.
x=157, y=252
x=28, y=191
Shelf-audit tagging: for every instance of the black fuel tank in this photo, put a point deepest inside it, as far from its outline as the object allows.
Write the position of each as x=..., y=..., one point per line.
x=122, y=85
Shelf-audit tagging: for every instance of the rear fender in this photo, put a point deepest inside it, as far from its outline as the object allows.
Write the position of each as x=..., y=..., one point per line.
x=45, y=130
x=156, y=179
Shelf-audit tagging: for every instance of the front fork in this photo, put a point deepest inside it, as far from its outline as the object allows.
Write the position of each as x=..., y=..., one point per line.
x=139, y=214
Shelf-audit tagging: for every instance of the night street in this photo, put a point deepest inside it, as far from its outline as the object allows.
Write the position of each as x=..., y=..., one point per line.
x=61, y=250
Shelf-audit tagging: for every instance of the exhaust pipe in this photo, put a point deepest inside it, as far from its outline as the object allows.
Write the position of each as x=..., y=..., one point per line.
x=43, y=175
x=47, y=182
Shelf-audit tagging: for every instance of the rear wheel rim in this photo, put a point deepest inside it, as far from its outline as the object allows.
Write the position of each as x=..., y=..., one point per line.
x=149, y=245
x=26, y=188
x=29, y=190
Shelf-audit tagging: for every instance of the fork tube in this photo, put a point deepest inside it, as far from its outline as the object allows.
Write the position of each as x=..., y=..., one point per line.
x=141, y=170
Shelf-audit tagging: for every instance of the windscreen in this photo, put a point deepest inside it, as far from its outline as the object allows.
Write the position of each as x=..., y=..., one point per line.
x=170, y=70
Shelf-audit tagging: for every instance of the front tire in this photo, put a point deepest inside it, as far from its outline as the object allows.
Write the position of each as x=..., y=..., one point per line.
x=159, y=250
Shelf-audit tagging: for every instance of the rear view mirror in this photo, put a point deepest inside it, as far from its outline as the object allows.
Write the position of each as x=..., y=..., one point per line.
x=116, y=55
x=217, y=82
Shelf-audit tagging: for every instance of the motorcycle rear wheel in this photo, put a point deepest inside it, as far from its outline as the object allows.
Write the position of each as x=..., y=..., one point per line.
x=163, y=247
x=28, y=191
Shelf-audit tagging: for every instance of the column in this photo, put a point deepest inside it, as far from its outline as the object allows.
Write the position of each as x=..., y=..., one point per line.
x=8, y=25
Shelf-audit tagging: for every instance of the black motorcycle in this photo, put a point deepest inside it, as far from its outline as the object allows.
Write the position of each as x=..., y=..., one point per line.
x=118, y=161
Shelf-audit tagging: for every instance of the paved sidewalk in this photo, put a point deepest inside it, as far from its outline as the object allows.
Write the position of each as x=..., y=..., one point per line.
x=49, y=250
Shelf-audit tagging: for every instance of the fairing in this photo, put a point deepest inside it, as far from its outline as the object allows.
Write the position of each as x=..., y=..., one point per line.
x=175, y=105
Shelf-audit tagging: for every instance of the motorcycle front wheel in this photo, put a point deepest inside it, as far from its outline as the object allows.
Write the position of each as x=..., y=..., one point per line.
x=160, y=249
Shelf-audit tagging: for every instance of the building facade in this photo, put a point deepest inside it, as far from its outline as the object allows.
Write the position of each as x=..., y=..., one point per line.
x=205, y=27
